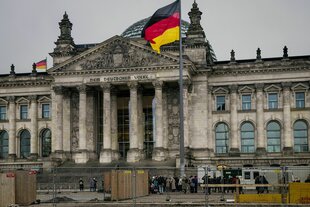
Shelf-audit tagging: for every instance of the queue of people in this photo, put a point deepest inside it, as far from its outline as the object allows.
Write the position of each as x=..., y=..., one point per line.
x=161, y=184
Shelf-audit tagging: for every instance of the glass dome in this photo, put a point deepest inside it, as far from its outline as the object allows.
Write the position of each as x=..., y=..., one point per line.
x=135, y=30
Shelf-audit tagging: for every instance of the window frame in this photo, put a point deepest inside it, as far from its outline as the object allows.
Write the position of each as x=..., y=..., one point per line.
x=246, y=104
x=3, y=115
x=273, y=104
x=278, y=138
x=242, y=139
x=22, y=113
x=220, y=106
x=298, y=147
x=44, y=111
x=224, y=148
x=300, y=100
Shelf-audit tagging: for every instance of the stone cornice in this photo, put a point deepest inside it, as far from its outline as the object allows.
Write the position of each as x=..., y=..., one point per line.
x=265, y=67
x=122, y=70
x=20, y=83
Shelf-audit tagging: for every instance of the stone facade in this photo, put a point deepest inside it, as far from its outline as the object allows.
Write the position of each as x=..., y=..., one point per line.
x=119, y=100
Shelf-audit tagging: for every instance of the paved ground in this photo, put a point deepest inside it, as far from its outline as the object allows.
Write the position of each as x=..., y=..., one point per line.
x=166, y=199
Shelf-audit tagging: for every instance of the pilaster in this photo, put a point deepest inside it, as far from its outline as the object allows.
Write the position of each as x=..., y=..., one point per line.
x=234, y=147
x=12, y=129
x=261, y=141
x=34, y=127
x=57, y=135
x=67, y=122
x=287, y=128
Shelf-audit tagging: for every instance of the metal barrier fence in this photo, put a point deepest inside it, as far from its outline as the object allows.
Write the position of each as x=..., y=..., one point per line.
x=199, y=185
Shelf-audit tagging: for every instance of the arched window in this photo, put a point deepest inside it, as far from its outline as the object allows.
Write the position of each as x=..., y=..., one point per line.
x=4, y=144
x=46, y=142
x=273, y=137
x=300, y=136
x=247, y=138
x=24, y=144
x=221, y=138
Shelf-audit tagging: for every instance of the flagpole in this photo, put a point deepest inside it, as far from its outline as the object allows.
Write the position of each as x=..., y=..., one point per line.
x=181, y=109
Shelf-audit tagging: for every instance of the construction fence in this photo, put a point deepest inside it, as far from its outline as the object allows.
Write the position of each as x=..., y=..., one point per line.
x=201, y=184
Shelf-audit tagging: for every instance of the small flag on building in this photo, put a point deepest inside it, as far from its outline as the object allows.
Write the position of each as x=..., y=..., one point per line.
x=42, y=65
x=163, y=27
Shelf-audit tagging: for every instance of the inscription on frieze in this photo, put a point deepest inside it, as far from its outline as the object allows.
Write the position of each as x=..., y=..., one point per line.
x=121, y=78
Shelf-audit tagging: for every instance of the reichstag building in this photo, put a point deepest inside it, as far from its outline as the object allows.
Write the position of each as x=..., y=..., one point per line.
x=118, y=101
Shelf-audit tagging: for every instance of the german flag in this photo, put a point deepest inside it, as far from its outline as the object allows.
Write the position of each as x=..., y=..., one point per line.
x=42, y=64
x=163, y=27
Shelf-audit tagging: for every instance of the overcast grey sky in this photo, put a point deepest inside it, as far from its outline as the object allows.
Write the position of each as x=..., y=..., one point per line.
x=29, y=28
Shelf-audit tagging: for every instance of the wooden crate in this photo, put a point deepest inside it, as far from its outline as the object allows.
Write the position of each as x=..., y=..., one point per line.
x=126, y=184
x=18, y=187
x=7, y=189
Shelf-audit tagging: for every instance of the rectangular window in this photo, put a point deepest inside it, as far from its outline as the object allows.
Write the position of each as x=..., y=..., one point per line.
x=45, y=111
x=2, y=112
x=24, y=112
x=300, y=99
x=272, y=100
x=220, y=103
x=246, y=102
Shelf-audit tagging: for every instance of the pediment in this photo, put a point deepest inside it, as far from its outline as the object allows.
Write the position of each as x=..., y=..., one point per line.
x=44, y=99
x=300, y=87
x=220, y=90
x=22, y=100
x=116, y=53
x=273, y=88
x=246, y=89
x=3, y=101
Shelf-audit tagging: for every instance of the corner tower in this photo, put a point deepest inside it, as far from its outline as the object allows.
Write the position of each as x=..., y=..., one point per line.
x=65, y=47
x=198, y=49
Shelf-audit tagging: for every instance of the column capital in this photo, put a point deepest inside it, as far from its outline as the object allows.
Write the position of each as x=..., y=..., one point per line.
x=286, y=85
x=133, y=85
x=114, y=90
x=233, y=88
x=158, y=84
x=11, y=98
x=210, y=89
x=33, y=98
x=82, y=88
x=106, y=87
x=58, y=90
x=259, y=86
x=67, y=92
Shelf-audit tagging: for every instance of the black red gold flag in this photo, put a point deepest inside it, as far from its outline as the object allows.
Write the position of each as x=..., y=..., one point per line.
x=164, y=26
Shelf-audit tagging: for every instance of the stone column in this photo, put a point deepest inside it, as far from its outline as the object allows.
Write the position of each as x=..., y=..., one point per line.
x=67, y=122
x=133, y=154
x=34, y=127
x=12, y=129
x=141, y=122
x=234, y=146
x=82, y=156
x=106, y=151
x=114, y=130
x=287, y=127
x=260, y=141
x=58, y=121
x=159, y=151
x=186, y=116
x=210, y=108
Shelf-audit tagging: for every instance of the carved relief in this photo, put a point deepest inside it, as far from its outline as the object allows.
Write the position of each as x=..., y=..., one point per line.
x=119, y=56
x=75, y=121
x=173, y=117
